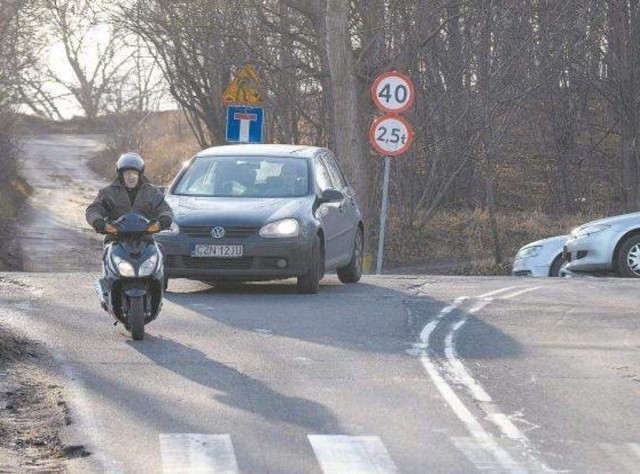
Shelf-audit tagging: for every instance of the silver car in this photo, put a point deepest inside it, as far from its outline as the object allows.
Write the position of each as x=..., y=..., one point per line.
x=263, y=212
x=606, y=245
x=542, y=258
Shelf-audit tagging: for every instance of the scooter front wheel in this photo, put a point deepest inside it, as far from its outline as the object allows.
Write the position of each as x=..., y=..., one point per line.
x=136, y=317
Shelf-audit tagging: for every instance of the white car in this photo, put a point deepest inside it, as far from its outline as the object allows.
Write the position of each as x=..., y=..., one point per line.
x=606, y=245
x=542, y=258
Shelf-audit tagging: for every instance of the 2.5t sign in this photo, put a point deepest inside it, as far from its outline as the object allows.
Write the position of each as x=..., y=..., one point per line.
x=391, y=135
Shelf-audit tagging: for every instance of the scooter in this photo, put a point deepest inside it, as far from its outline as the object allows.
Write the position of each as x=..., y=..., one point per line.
x=133, y=284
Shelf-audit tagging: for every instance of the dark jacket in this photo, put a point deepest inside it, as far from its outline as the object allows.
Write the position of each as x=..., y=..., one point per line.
x=118, y=193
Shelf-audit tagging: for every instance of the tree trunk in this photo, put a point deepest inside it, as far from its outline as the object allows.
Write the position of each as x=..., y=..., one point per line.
x=349, y=129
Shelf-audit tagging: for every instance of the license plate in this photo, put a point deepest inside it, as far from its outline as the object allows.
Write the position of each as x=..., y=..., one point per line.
x=217, y=251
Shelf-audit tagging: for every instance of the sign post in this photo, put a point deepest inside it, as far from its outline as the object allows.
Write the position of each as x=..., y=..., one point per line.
x=390, y=134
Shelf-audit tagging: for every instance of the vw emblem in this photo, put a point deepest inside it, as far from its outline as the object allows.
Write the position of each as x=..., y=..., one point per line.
x=217, y=232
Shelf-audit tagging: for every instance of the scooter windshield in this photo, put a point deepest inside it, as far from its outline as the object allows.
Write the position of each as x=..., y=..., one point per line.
x=132, y=224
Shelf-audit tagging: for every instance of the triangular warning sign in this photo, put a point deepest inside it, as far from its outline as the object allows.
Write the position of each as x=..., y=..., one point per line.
x=243, y=88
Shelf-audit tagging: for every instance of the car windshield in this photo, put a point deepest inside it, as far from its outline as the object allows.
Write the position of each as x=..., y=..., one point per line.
x=248, y=177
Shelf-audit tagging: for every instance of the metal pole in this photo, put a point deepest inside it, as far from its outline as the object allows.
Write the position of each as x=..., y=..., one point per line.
x=383, y=215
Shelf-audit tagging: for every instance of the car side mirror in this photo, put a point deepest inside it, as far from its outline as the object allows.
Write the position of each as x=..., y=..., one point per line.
x=331, y=195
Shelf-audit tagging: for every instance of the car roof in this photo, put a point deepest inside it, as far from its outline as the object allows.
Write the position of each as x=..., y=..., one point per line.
x=302, y=151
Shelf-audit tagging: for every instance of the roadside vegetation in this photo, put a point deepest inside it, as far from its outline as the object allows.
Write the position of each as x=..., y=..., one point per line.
x=16, y=56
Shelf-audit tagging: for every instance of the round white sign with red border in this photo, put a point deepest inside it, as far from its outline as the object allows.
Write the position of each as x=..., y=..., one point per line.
x=391, y=135
x=393, y=92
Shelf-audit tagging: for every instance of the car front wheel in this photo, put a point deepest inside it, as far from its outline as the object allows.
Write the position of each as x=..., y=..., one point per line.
x=554, y=271
x=353, y=271
x=628, y=260
x=310, y=282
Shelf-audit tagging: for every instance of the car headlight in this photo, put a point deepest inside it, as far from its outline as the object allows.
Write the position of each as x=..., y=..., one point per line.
x=173, y=230
x=124, y=268
x=281, y=228
x=585, y=230
x=148, y=266
x=528, y=252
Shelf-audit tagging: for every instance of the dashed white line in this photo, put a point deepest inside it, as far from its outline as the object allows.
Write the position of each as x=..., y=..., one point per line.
x=518, y=293
x=500, y=290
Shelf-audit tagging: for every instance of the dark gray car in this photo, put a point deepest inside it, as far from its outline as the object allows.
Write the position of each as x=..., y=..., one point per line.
x=262, y=212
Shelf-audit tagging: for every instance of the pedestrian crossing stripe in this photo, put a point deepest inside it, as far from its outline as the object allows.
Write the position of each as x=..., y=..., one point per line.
x=197, y=453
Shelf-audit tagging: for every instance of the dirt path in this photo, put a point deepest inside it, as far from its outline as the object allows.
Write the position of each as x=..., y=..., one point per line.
x=53, y=235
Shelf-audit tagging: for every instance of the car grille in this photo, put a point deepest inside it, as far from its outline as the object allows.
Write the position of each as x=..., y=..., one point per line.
x=231, y=232
x=176, y=261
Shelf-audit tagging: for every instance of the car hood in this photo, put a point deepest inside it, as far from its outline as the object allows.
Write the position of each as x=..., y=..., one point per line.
x=557, y=240
x=622, y=220
x=189, y=210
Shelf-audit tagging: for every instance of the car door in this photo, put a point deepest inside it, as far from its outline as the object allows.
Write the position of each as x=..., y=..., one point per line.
x=348, y=214
x=327, y=213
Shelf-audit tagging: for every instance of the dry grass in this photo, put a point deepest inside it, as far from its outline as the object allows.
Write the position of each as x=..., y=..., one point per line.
x=163, y=139
x=463, y=239
x=167, y=141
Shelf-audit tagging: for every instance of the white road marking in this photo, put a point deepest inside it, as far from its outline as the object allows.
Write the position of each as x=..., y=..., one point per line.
x=456, y=371
x=459, y=372
x=518, y=293
x=483, y=438
x=477, y=454
x=635, y=448
x=352, y=454
x=501, y=290
x=197, y=453
x=428, y=329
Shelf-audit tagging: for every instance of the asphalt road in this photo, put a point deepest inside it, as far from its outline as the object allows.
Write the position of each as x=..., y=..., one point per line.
x=396, y=374
x=408, y=374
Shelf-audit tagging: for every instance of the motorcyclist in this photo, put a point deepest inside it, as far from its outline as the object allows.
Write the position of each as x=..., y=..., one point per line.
x=131, y=191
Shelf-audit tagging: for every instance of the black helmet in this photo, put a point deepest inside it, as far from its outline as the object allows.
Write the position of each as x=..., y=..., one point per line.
x=130, y=161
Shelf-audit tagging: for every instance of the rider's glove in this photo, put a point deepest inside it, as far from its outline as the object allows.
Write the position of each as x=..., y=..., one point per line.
x=99, y=225
x=165, y=222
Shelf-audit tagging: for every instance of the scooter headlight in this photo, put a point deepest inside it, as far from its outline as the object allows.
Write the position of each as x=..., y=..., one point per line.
x=148, y=266
x=124, y=268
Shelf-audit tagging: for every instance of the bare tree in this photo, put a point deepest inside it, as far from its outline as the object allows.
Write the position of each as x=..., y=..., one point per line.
x=81, y=27
x=623, y=90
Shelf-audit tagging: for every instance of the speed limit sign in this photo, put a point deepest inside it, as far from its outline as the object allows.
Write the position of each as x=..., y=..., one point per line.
x=391, y=135
x=393, y=92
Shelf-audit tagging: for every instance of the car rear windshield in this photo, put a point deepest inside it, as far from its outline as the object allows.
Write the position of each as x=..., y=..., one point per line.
x=250, y=177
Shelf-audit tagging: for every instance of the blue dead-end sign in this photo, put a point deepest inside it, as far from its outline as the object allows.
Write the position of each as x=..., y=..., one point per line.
x=244, y=124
